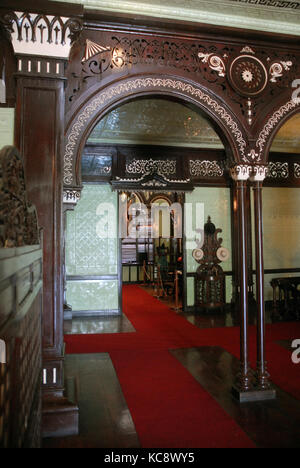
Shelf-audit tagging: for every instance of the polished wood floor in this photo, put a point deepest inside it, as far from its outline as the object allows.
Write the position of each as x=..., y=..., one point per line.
x=270, y=424
x=104, y=418
x=106, y=422
x=95, y=325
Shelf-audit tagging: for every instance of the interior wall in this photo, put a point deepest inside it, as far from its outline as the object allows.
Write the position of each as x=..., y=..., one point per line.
x=281, y=222
x=7, y=119
x=93, y=255
x=216, y=203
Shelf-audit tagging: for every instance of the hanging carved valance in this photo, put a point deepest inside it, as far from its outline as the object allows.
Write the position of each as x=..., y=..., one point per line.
x=152, y=181
x=18, y=219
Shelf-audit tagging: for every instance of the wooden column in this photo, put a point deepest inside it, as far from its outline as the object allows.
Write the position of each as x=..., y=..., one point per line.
x=39, y=135
x=250, y=250
x=249, y=388
x=262, y=375
x=240, y=175
x=236, y=250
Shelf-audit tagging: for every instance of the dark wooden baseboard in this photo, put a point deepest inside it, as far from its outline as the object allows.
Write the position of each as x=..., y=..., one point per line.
x=60, y=418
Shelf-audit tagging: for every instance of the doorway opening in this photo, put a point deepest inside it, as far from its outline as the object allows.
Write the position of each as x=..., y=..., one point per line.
x=140, y=153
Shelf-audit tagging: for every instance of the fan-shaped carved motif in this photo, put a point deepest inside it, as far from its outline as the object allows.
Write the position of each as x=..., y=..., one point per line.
x=92, y=49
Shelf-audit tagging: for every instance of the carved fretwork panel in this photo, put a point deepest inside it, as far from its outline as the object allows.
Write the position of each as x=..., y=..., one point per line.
x=204, y=169
x=246, y=77
x=137, y=163
x=244, y=89
x=283, y=170
x=127, y=164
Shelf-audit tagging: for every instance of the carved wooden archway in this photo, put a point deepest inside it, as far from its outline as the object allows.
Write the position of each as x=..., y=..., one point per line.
x=245, y=87
x=246, y=91
x=231, y=133
x=279, y=117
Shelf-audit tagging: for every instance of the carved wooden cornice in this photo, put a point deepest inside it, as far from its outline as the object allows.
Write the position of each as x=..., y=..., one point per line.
x=41, y=34
x=290, y=5
x=257, y=15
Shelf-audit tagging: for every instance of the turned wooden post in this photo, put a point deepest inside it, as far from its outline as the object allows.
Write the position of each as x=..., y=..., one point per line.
x=176, y=283
x=144, y=273
x=240, y=175
x=262, y=375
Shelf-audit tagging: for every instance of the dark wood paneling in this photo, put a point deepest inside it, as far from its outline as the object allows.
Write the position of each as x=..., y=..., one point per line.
x=38, y=168
x=39, y=125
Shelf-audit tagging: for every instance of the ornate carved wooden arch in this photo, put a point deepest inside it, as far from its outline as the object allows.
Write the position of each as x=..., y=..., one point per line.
x=117, y=93
x=279, y=117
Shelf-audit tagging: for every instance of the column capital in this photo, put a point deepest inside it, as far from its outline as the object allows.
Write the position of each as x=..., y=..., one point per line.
x=259, y=173
x=71, y=197
x=241, y=172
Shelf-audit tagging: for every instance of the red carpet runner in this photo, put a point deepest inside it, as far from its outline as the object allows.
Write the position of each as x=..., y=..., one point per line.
x=169, y=408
